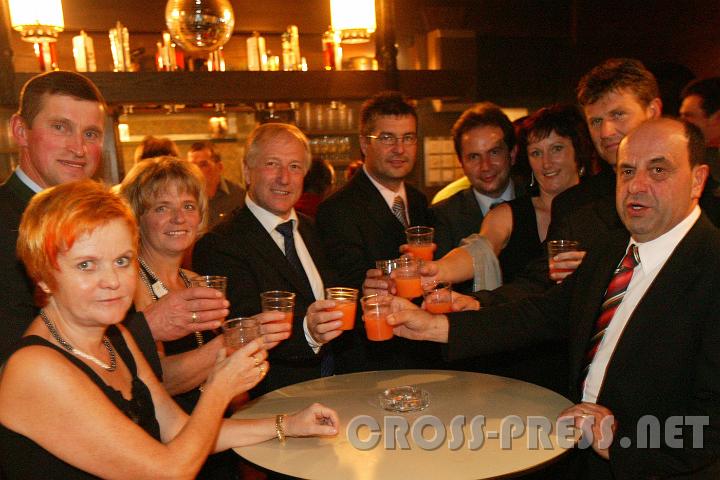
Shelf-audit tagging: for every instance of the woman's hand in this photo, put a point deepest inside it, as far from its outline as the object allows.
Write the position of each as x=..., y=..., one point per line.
x=315, y=420
x=240, y=371
x=273, y=329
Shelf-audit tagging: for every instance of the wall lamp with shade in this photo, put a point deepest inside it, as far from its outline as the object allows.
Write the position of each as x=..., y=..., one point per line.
x=354, y=19
x=39, y=22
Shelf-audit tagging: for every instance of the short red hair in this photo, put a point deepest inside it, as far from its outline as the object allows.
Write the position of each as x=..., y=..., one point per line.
x=56, y=217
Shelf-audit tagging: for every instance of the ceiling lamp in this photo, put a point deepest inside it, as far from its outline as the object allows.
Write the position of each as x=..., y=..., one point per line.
x=354, y=19
x=39, y=22
x=200, y=25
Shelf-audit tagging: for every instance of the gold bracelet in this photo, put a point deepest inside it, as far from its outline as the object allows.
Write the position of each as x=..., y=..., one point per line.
x=279, y=427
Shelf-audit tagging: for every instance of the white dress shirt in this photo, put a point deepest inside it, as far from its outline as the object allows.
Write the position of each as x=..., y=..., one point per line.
x=486, y=203
x=27, y=181
x=269, y=221
x=389, y=196
x=653, y=255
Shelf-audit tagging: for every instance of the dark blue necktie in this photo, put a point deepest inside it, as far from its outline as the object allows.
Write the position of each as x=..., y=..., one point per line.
x=286, y=230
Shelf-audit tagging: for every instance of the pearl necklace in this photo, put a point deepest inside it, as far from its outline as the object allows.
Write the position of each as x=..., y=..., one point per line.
x=157, y=288
x=64, y=343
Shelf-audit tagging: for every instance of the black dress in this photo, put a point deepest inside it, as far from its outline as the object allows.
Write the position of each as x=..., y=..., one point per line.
x=22, y=458
x=524, y=244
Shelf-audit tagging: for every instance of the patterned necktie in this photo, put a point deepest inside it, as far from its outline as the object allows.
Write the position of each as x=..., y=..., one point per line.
x=286, y=230
x=398, y=209
x=613, y=297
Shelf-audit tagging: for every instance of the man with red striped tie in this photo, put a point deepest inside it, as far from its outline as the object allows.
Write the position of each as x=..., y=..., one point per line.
x=642, y=316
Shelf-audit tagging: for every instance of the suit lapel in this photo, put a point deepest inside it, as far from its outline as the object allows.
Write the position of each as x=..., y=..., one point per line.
x=265, y=247
x=472, y=208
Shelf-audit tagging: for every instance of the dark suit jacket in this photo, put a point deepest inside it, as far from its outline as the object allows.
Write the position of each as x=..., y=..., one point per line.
x=666, y=362
x=455, y=218
x=17, y=306
x=242, y=250
x=358, y=228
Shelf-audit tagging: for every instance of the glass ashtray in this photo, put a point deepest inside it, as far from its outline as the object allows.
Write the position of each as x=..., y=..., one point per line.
x=407, y=398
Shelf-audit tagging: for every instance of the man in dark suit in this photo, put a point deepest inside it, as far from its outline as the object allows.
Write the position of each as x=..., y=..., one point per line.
x=59, y=130
x=484, y=140
x=640, y=316
x=616, y=97
x=365, y=220
x=266, y=245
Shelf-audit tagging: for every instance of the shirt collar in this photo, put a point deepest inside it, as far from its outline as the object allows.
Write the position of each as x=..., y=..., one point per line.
x=486, y=202
x=268, y=219
x=386, y=193
x=27, y=181
x=657, y=251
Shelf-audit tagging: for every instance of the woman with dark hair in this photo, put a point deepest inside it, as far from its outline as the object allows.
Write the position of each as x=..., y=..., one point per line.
x=555, y=142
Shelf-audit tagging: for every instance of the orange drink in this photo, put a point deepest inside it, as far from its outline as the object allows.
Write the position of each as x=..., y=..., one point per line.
x=345, y=302
x=376, y=328
x=348, y=311
x=420, y=242
x=421, y=251
x=279, y=301
x=408, y=287
x=445, y=307
x=438, y=297
x=376, y=308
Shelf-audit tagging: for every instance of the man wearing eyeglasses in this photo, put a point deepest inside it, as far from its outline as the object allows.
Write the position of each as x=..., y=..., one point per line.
x=365, y=221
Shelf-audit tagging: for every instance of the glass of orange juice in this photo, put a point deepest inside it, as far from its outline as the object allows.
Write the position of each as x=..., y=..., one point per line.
x=407, y=278
x=218, y=282
x=238, y=332
x=438, y=297
x=279, y=301
x=345, y=302
x=420, y=242
x=376, y=308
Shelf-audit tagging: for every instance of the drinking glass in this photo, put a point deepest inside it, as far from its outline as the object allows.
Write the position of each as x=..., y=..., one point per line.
x=407, y=278
x=279, y=301
x=438, y=297
x=376, y=308
x=559, y=246
x=238, y=332
x=420, y=242
x=345, y=302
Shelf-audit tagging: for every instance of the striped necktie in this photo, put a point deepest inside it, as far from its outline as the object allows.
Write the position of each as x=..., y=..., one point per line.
x=398, y=209
x=613, y=297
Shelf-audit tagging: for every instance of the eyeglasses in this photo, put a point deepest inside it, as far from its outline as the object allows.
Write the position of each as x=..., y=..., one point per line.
x=389, y=139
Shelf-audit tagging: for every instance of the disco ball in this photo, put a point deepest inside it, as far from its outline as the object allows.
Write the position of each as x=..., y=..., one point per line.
x=200, y=25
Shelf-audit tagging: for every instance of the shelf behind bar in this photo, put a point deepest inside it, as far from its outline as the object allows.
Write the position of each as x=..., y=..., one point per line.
x=243, y=86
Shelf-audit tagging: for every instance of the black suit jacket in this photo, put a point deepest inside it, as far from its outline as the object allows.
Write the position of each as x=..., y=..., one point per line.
x=17, y=306
x=455, y=218
x=666, y=362
x=357, y=228
x=242, y=250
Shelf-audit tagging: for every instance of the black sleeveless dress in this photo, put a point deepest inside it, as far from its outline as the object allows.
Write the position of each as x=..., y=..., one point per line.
x=524, y=243
x=21, y=458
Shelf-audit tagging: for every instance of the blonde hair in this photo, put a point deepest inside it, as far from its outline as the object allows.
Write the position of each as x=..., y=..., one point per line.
x=150, y=176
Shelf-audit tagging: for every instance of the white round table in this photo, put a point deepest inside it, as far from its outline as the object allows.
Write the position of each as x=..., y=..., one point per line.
x=502, y=401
